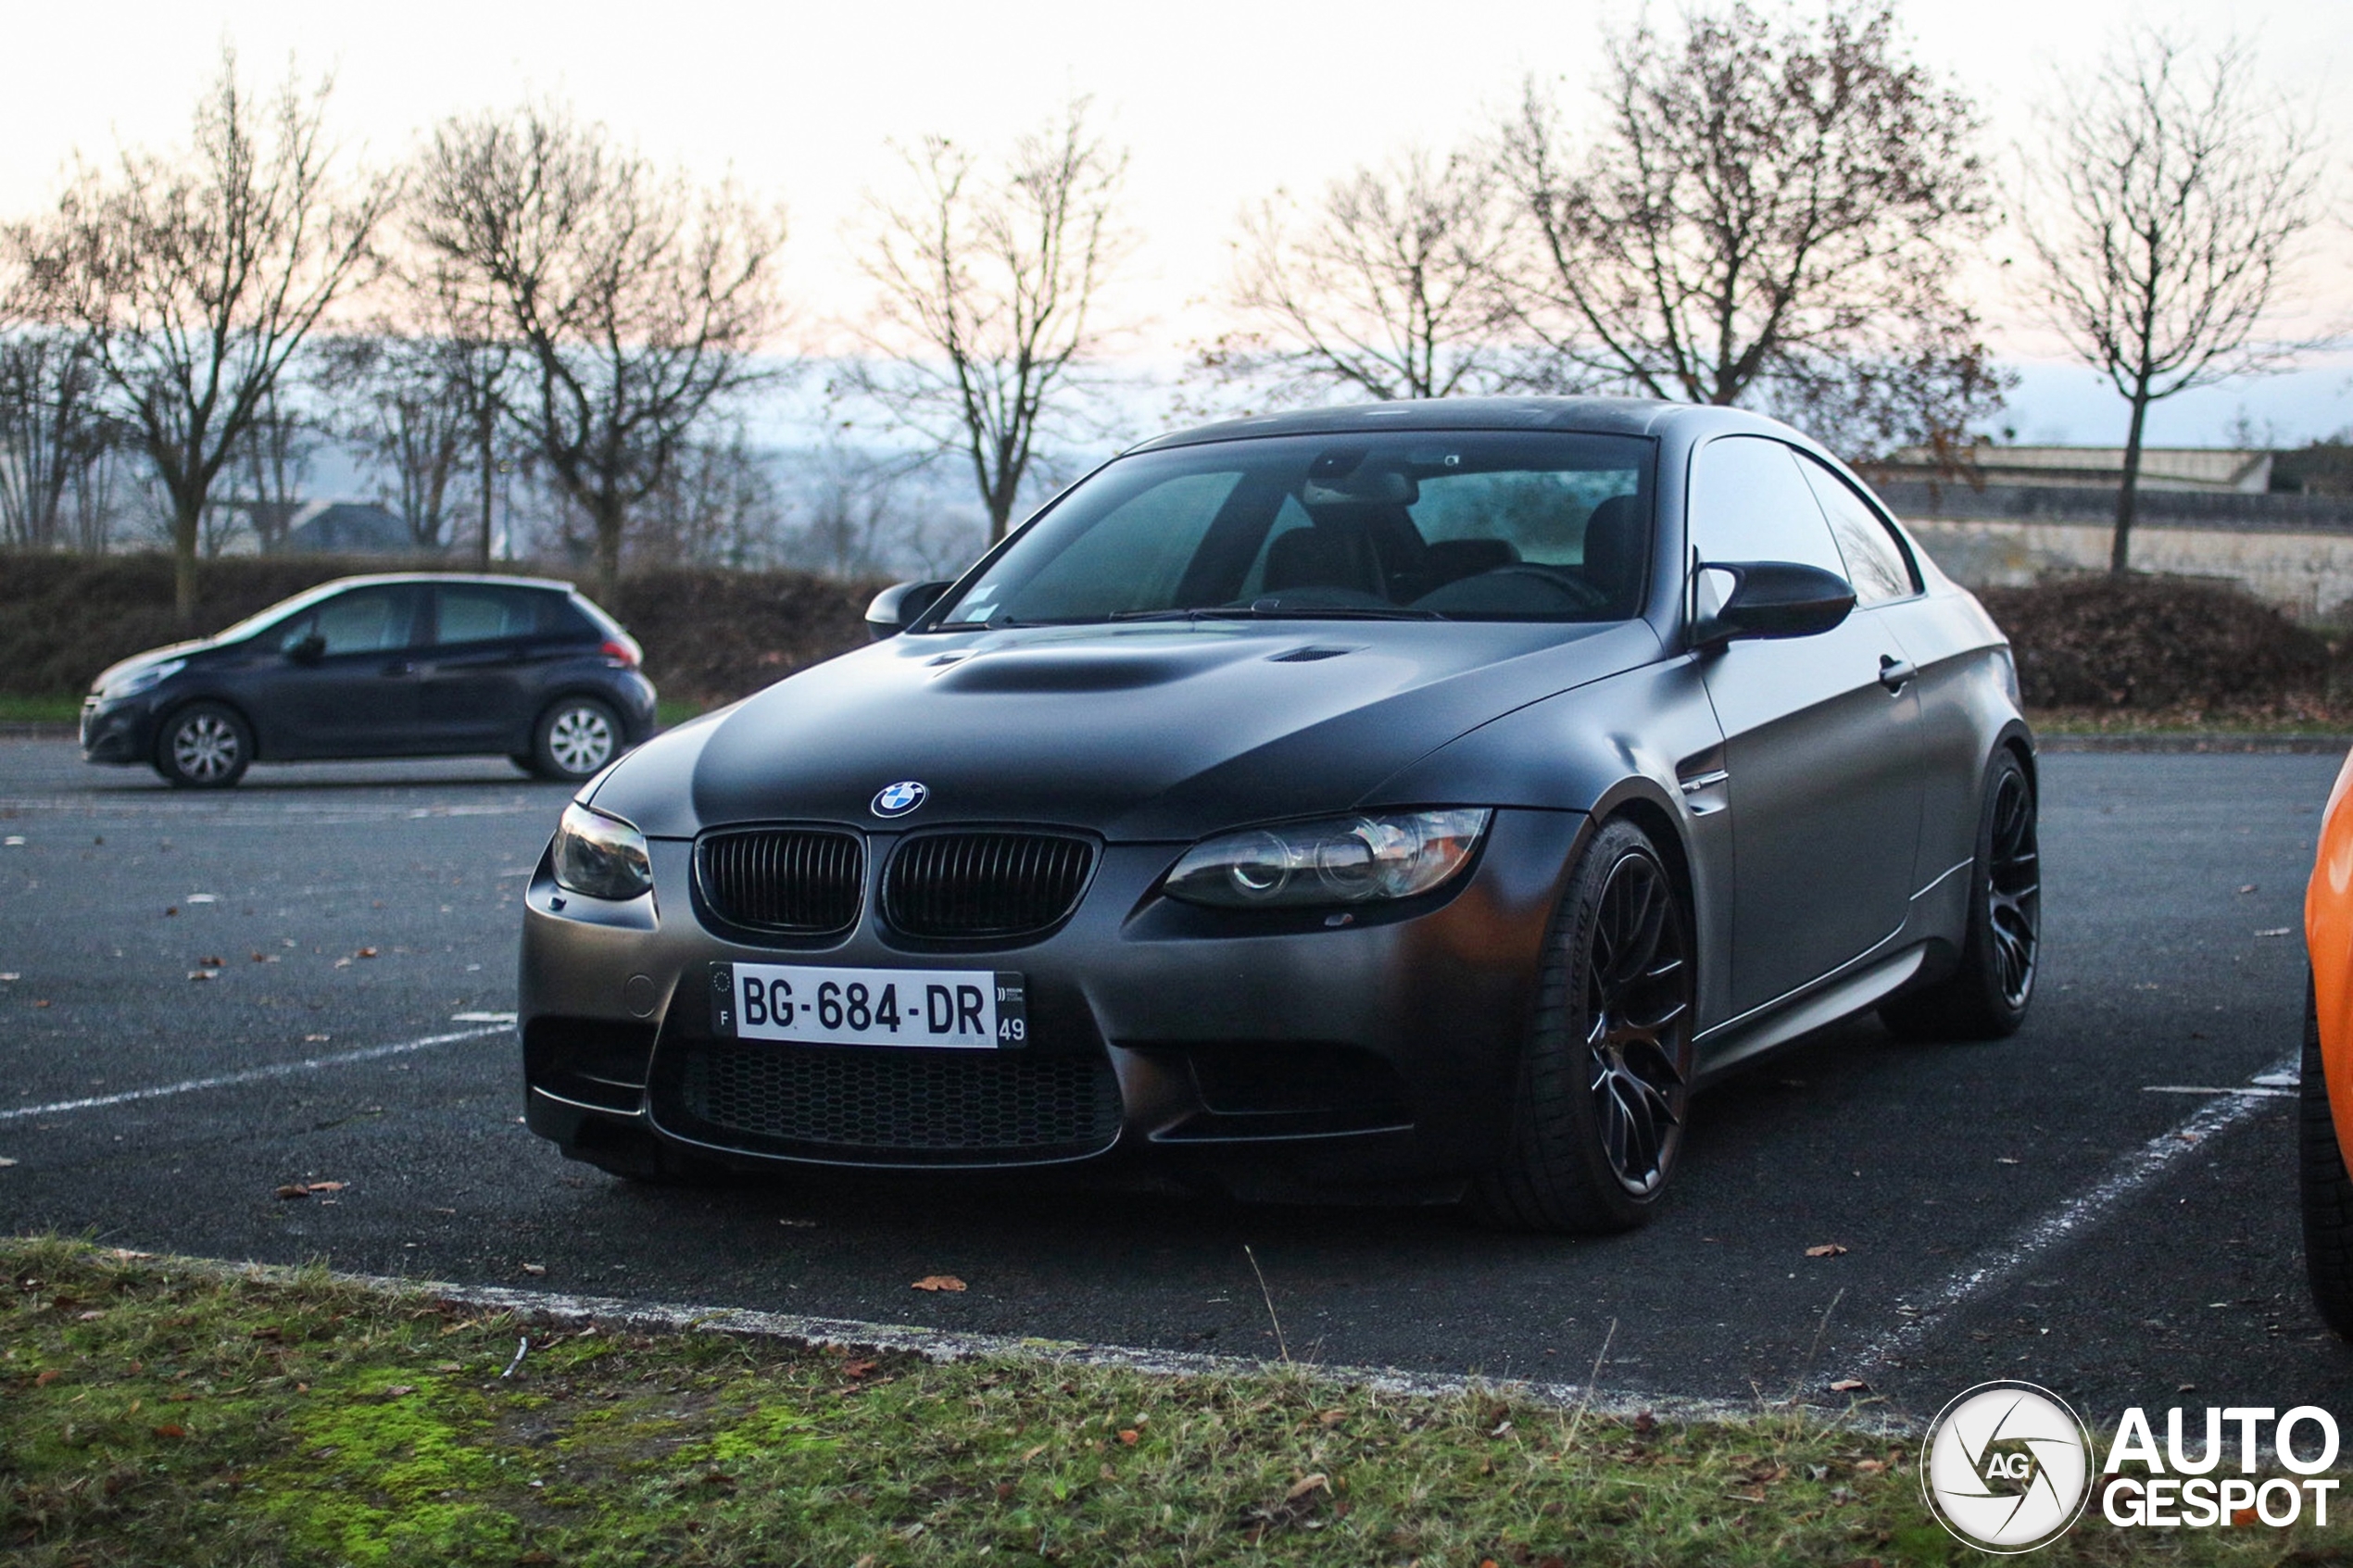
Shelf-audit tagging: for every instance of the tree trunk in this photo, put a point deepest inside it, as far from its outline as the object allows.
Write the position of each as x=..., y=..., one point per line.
x=187, y=521
x=610, y=517
x=2120, y=555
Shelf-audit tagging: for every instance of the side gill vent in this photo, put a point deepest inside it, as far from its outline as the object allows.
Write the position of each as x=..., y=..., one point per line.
x=1307, y=655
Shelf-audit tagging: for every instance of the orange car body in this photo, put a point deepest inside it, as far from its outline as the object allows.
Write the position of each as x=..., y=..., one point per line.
x=2328, y=939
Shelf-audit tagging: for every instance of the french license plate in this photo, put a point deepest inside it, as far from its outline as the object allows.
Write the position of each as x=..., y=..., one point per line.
x=976, y=1010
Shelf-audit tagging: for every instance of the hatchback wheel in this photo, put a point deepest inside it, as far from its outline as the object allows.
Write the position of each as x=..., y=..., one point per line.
x=574, y=738
x=205, y=746
x=1605, y=1082
x=1985, y=998
x=2326, y=1190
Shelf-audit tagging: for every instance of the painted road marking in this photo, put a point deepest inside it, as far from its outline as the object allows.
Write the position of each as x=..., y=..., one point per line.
x=2138, y=1169
x=250, y=1075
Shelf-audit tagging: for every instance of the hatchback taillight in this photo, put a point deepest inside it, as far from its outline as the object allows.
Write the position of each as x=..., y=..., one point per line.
x=623, y=652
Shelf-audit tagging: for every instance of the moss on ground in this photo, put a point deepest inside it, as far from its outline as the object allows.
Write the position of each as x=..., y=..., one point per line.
x=153, y=1412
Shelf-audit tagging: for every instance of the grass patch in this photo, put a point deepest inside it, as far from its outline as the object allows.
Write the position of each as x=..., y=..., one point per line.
x=18, y=709
x=155, y=1411
x=671, y=713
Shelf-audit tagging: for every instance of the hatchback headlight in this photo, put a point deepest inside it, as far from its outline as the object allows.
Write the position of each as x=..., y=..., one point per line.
x=140, y=680
x=1342, y=861
x=600, y=857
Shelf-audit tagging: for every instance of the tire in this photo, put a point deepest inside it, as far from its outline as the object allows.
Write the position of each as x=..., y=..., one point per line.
x=1604, y=1084
x=1987, y=996
x=574, y=738
x=2325, y=1188
x=204, y=746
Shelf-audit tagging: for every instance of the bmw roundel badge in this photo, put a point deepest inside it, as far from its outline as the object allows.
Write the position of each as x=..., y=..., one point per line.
x=897, y=800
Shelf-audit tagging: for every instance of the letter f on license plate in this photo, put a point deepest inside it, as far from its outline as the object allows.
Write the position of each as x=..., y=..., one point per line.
x=972, y=1009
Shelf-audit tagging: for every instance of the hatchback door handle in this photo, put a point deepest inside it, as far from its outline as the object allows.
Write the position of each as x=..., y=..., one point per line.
x=402, y=667
x=1896, y=674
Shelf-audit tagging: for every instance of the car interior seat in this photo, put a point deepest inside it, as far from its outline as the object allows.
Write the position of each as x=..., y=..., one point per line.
x=1617, y=548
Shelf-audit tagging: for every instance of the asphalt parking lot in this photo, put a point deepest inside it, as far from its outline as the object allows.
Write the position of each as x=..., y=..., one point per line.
x=2105, y=1204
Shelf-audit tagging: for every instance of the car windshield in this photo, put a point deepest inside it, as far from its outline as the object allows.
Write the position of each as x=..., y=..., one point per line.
x=1465, y=525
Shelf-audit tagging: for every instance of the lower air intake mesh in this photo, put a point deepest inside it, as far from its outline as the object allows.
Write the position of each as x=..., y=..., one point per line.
x=903, y=1100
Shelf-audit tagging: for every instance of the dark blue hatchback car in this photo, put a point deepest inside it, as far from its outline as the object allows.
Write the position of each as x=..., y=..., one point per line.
x=421, y=664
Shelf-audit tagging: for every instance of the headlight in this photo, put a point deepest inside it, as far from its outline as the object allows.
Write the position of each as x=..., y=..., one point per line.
x=142, y=680
x=599, y=855
x=1342, y=860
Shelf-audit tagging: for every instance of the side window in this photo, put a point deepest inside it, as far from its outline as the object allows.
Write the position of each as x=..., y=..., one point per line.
x=475, y=613
x=365, y=620
x=1876, y=562
x=1750, y=502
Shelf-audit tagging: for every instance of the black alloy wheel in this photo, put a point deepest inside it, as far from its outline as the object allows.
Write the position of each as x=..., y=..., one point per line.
x=1605, y=1083
x=1985, y=998
x=2325, y=1188
x=204, y=746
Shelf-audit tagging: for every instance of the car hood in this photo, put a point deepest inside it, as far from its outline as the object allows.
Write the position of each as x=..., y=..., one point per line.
x=139, y=661
x=1137, y=733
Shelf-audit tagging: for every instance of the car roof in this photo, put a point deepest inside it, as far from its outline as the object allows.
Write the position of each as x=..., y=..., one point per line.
x=493, y=579
x=1600, y=416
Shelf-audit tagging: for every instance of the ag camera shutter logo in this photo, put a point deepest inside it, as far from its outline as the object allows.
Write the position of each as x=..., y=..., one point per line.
x=2008, y=1467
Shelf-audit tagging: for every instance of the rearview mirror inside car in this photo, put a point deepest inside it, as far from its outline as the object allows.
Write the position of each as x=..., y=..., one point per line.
x=1770, y=599
x=898, y=605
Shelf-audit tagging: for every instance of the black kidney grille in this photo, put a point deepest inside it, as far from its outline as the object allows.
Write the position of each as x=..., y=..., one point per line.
x=904, y=1101
x=801, y=882
x=975, y=885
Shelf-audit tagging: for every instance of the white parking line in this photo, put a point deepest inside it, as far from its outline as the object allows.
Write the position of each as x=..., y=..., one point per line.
x=250, y=1075
x=2143, y=1166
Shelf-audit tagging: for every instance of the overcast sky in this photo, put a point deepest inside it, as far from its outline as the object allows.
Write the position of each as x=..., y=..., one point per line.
x=1219, y=101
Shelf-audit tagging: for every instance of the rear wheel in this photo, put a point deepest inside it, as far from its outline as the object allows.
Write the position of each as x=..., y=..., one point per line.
x=2325, y=1188
x=1605, y=1082
x=204, y=746
x=575, y=737
x=1985, y=998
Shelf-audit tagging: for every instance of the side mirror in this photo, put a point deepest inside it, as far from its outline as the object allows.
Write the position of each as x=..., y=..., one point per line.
x=310, y=650
x=1774, y=599
x=897, y=606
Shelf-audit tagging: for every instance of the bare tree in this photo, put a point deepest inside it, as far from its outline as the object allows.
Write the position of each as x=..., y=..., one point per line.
x=988, y=292
x=2166, y=207
x=634, y=302
x=53, y=434
x=414, y=407
x=1771, y=215
x=1387, y=288
x=719, y=507
x=272, y=464
x=197, y=274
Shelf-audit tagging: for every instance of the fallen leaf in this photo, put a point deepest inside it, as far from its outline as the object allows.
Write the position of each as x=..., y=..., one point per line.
x=316, y=1039
x=365, y=953
x=2249, y=887
x=47, y=1377
x=399, y=1390
x=534, y=1268
x=172, y=1429
x=1129, y=1435
x=1870, y=1466
x=449, y=1366
x=342, y=963
x=10, y=974
x=1319, y=1482
x=327, y=1186
x=1850, y=1385
x=41, y=1002
x=1827, y=1250
x=201, y=974
x=5, y=1161
x=1005, y=1490
x=2276, y=931
x=171, y=911
x=938, y=1282
x=858, y=1368
x=1024, y=1459
x=213, y=962
x=2003, y=1159
x=292, y=1189
x=90, y=1316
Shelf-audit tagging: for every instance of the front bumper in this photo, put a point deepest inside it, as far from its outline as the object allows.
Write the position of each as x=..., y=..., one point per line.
x=118, y=732
x=1267, y=1052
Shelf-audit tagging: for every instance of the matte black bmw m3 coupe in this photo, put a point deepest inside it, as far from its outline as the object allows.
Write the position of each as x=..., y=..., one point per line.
x=1417, y=800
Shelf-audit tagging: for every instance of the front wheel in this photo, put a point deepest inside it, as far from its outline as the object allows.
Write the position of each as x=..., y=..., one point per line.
x=204, y=746
x=1985, y=998
x=574, y=738
x=2325, y=1188
x=1605, y=1082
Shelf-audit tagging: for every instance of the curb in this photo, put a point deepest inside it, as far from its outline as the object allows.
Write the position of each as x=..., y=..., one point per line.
x=2194, y=742
x=942, y=1346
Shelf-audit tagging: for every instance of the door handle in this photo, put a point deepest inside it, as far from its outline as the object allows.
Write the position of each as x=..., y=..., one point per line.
x=402, y=667
x=1896, y=674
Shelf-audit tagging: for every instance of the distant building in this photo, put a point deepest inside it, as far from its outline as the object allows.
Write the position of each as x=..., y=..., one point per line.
x=2210, y=470
x=347, y=528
